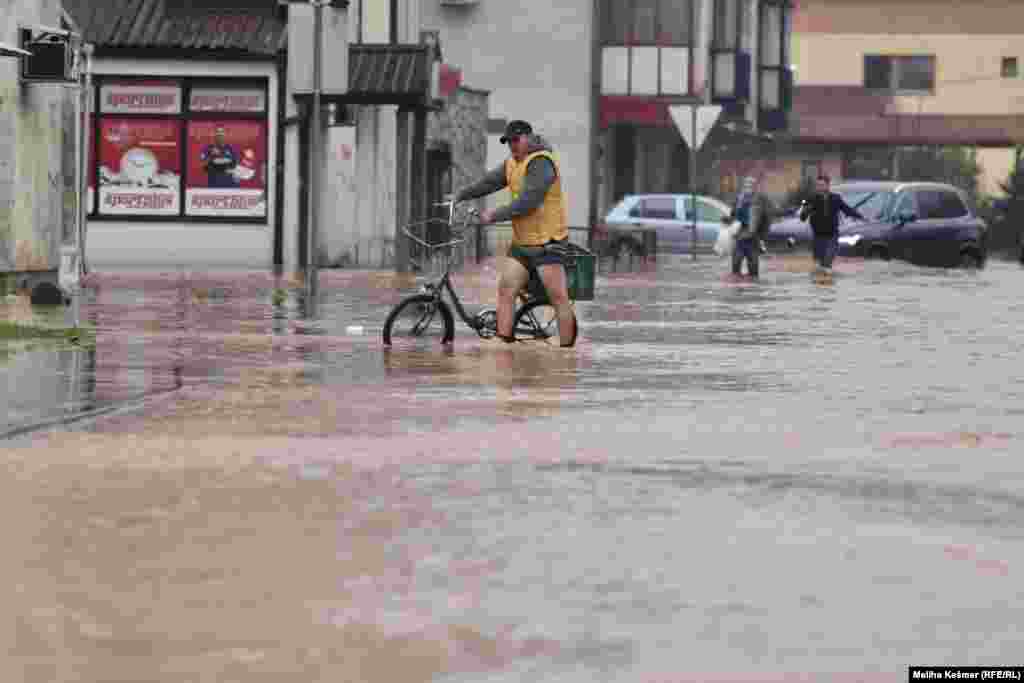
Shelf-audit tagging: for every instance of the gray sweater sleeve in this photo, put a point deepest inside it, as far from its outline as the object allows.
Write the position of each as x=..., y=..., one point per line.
x=540, y=174
x=492, y=181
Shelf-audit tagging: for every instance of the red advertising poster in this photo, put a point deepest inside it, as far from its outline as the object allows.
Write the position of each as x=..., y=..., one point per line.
x=227, y=168
x=140, y=167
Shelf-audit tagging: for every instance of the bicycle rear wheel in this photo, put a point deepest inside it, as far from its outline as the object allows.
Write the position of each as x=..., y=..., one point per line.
x=419, y=321
x=537, y=319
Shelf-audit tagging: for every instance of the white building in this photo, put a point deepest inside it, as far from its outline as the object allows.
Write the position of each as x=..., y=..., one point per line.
x=597, y=77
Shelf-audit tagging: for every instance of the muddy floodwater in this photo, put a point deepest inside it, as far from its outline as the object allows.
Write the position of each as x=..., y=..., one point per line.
x=782, y=480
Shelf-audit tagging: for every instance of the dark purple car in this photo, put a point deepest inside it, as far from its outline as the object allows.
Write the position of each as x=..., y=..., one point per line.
x=929, y=224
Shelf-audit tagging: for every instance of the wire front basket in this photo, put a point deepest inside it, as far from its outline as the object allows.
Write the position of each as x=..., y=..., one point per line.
x=433, y=246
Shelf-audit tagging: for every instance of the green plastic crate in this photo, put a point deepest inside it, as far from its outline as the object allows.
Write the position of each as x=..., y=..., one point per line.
x=579, y=270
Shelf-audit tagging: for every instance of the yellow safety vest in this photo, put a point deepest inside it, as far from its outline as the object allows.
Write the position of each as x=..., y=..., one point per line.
x=547, y=222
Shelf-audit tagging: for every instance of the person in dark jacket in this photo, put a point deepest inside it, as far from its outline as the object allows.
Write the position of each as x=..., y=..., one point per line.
x=823, y=211
x=748, y=210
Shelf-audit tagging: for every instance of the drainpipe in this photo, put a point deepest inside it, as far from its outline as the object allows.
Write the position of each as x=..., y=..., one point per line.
x=279, y=182
x=595, y=122
x=315, y=135
x=87, y=140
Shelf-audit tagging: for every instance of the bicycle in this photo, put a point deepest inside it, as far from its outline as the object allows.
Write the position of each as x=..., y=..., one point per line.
x=414, y=316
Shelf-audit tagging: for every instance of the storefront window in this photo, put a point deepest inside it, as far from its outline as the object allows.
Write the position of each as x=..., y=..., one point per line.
x=139, y=167
x=181, y=148
x=226, y=168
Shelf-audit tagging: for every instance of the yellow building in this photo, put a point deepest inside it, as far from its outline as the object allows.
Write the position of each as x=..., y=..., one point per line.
x=874, y=76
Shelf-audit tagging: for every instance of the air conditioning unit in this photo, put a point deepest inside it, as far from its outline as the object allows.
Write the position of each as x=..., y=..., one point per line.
x=458, y=3
x=52, y=59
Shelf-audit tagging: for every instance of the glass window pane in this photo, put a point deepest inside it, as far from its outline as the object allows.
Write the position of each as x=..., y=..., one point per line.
x=877, y=72
x=645, y=71
x=615, y=70
x=725, y=74
x=904, y=205
x=916, y=73
x=227, y=170
x=726, y=27
x=140, y=166
x=674, y=22
x=930, y=204
x=660, y=208
x=615, y=23
x=771, y=35
x=951, y=205
x=1009, y=68
x=708, y=213
x=645, y=21
x=675, y=70
x=770, y=89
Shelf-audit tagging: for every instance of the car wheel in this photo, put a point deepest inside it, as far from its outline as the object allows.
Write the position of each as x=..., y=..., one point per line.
x=878, y=252
x=970, y=259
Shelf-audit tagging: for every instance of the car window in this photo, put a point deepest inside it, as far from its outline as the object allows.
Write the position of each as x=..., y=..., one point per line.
x=951, y=205
x=872, y=205
x=708, y=212
x=930, y=204
x=905, y=204
x=659, y=208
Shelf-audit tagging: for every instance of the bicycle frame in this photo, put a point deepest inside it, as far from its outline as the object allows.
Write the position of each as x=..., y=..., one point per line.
x=438, y=287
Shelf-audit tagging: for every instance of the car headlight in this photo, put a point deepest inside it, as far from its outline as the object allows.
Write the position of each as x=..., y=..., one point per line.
x=849, y=240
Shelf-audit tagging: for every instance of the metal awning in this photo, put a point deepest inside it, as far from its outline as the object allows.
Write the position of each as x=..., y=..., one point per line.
x=380, y=74
x=11, y=51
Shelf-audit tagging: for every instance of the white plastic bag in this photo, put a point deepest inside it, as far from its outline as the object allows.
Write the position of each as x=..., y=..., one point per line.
x=726, y=242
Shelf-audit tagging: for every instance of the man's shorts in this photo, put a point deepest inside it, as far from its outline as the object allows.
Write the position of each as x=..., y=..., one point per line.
x=551, y=254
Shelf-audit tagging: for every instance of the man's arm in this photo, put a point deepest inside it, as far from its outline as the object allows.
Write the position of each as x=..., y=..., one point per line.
x=540, y=174
x=492, y=181
x=845, y=208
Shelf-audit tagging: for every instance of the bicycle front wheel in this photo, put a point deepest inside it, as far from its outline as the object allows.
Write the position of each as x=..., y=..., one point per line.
x=419, y=321
x=537, y=320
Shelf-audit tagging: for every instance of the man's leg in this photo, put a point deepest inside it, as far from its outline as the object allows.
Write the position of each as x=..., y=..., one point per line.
x=753, y=259
x=818, y=249
x=511, y=280
x=737, y=257
x=553, y=277
x=830, y=249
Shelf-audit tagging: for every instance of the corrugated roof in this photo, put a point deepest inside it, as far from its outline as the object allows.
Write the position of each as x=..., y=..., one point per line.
x=389, y=70
x=152, y=24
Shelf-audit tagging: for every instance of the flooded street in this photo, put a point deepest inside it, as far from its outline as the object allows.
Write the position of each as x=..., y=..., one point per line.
x=722, y=481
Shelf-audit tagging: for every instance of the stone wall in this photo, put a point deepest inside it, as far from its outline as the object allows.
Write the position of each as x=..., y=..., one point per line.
x=37, y=144
x=461, y=128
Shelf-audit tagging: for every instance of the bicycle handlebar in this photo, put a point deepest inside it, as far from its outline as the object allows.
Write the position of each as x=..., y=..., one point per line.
x=472, y=213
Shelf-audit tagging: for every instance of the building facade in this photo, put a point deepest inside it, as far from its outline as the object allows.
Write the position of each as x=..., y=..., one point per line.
x=873, y=77
x=185, y=142
x=37, y=154
x=597, y=78
x=201, y=141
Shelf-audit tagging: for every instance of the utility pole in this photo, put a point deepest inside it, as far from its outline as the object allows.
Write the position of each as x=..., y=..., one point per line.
x=315, y=143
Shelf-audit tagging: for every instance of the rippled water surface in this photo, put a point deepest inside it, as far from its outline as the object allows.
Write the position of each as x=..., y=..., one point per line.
x=743, y=479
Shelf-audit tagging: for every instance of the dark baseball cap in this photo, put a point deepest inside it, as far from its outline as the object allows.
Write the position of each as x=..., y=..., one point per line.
x=515, y=129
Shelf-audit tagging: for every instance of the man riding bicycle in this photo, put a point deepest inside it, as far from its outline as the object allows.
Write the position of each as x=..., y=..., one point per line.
x=540, y=227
